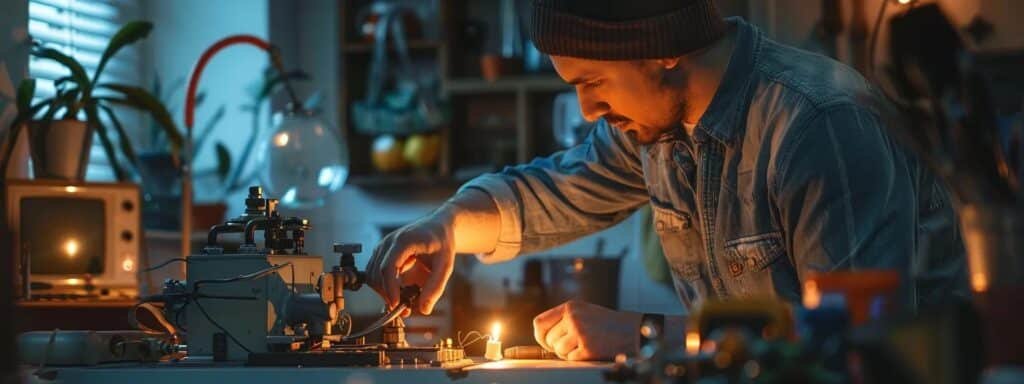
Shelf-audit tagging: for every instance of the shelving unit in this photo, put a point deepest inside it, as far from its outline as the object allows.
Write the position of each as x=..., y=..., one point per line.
x=493, y=123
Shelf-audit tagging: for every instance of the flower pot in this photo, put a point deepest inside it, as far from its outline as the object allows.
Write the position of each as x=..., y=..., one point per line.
x=205, y=216
x=60, y=149
x=161, y=191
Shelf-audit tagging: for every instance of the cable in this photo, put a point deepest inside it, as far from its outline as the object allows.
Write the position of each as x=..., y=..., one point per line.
x=216, y=324
x=156, y=313
x=479, y=336
x=165, y=263
x=249, y=276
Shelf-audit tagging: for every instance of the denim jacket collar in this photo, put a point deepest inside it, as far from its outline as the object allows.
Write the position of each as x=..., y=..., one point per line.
x=718, y=121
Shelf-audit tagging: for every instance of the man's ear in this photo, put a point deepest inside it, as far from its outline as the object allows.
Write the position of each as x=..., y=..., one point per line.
x=669, y=63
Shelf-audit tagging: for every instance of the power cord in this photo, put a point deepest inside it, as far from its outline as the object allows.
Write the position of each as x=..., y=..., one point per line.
x=249, y=276
x=165, y=263
x=216, y=324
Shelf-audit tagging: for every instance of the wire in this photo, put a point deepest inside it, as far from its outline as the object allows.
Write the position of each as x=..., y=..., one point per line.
x=463, y=338
x=216, y=324
x=156, y=313
x=248, y=276
x=165, y=263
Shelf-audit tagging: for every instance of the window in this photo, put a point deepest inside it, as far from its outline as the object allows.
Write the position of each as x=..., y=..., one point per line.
x=81, y=29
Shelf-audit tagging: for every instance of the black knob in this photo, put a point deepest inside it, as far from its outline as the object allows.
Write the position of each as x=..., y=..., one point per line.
x=348, y=247
x=127, y=205
x=127, y=235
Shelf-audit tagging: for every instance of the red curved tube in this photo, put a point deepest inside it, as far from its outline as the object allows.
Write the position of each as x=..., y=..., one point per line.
x=197, y=70
x=190, y=106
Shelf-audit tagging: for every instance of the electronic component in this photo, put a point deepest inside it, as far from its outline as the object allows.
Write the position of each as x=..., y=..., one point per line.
x=92, y=251
x=272, y=305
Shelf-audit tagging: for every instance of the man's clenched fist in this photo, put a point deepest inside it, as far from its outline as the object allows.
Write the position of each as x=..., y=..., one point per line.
x=577, y=330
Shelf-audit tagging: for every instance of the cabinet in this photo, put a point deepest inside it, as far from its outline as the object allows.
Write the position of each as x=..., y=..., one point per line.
x=493, y=123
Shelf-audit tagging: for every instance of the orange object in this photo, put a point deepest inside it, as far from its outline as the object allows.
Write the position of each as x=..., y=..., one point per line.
x=861, y=289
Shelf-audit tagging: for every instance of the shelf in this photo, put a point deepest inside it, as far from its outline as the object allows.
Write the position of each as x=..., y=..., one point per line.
x=525, y=83
x=403, y=181
x=414, y=45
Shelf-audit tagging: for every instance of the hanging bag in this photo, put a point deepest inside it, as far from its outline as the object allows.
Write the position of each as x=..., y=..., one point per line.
x=412, y=104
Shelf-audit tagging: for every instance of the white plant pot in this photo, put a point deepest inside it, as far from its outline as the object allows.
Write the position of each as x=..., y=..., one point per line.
x=60, y=149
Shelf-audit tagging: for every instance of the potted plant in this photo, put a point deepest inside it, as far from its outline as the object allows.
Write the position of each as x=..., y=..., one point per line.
x=60, y=138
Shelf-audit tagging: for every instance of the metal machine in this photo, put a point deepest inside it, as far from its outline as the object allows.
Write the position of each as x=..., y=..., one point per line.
x=272, y=304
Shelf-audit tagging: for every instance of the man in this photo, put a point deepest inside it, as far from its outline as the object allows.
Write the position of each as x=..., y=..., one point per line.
x=762, y=163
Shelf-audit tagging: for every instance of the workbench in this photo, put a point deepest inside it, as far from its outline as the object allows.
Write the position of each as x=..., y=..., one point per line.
x=508, y=371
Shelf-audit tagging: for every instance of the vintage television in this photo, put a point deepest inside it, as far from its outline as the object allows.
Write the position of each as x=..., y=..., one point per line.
x=74, y=240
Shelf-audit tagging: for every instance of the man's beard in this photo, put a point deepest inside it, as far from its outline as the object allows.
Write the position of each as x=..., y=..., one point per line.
x=639, y=135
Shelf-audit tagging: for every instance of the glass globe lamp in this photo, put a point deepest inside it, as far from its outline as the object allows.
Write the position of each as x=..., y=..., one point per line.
x=303, y=160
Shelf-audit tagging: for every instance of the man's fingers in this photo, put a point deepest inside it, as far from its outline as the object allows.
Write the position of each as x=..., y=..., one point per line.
x=557, y=332
x=544, y=321
x=577, y=354
x=396, y=256
x=566, y=344
x=374, y=278
x=440, y=271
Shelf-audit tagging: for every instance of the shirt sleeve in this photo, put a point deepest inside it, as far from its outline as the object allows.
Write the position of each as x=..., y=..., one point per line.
x=845, y=195
x=556, y=199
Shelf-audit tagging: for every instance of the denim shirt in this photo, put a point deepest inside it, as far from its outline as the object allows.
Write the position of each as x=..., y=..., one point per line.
x=790, y=171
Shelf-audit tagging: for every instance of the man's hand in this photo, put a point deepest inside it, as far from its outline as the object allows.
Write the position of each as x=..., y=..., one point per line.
x=577, y=330
x=420, y=253
x=423, y=253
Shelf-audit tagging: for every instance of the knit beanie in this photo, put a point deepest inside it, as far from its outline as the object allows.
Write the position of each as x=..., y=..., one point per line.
x=624, y=29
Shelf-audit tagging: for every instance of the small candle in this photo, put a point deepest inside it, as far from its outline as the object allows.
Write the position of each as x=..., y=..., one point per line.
x=493, y=351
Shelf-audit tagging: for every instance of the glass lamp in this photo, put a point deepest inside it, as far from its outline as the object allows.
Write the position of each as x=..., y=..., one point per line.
x=303, y=160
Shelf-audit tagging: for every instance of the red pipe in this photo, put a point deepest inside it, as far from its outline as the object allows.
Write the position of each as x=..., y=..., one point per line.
x=197, y=70
x=190, y=106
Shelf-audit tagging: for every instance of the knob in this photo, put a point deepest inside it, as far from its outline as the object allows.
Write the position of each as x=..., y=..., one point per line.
x=348, y=247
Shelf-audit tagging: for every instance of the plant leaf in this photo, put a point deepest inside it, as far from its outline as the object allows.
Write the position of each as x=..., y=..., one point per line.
x=223, y=160
x=128, y=34
x=26, y=91
x=207, y=129
x=139, y=98
x=200, y=97
x=108, y=146
x=313, y=102
x=123, y=141
x=78, y=74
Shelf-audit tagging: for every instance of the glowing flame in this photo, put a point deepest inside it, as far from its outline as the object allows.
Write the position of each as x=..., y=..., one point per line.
x=692, y=343
x=71, y=247
x=495, y=331
x=812, y=296
x=71, y=189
